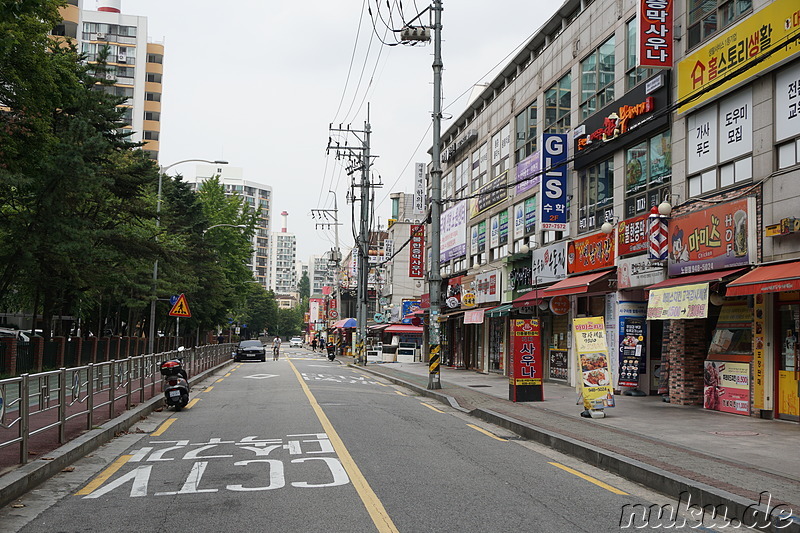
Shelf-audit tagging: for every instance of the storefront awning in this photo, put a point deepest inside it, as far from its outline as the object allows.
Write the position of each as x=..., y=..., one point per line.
x=581, y=284
x=378, y=327
x=769, y=278
x=500, y=310
x=404, y=329
x=709, y=277
x=533, y=297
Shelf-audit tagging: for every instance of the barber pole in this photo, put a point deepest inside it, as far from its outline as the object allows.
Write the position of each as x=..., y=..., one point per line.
x=657, y=235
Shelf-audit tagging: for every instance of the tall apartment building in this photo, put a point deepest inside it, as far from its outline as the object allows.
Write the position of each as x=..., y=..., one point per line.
x=283, y=254
x=259, y=197
x=319, y=273
x=135, y=65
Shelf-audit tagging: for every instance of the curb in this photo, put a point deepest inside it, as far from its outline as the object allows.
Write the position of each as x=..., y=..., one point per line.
x=20, y=481
x=688, y=494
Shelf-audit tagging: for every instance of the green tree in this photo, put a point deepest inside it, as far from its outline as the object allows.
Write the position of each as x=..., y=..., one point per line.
x=304, y=286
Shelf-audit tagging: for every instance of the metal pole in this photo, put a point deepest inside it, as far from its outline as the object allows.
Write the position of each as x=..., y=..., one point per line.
x=152, y=333
x=338, y=256
x=363, y=251
x=434, y=272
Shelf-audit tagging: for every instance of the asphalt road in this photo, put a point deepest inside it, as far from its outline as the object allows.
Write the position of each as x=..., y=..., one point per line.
x=304, y=444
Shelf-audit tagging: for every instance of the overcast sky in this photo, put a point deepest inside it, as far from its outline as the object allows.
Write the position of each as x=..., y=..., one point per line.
x=257, y=83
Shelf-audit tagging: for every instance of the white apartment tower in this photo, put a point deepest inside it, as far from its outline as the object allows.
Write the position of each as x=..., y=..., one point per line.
x=283, y=254
x=135, y=65
x=259, y=197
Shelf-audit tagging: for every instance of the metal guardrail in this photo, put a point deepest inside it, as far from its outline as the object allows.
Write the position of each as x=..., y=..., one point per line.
x=36, y=403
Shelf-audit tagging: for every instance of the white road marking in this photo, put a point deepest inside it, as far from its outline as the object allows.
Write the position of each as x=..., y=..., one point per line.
x=261, y=376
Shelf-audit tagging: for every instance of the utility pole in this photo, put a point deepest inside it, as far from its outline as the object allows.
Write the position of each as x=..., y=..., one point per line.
x=360, y=160
x=413, y=34
x=336, y=255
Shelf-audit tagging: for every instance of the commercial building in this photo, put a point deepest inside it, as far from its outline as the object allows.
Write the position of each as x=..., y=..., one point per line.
x=656, y=191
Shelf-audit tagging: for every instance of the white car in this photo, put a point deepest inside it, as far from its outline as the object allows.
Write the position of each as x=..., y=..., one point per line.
x=296, y=341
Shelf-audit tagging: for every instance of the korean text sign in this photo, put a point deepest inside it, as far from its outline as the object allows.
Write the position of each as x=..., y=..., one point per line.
x=755, y=44
x=655, y=33
x=595, y=373
x=678, y=303
x=527, y=367
x=554, y=182
x=453, y=236
x=416, y=261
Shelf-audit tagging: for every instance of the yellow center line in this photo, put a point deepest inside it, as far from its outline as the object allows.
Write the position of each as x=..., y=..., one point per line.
x=209, y=388
x=220, y=379
x=373, y=505
x=105, y=474
x=192, y=403
x=400, y=393
x=226, y=375
x=485, y=432
x=590, y=479
x=163, y=427
x=432, y=408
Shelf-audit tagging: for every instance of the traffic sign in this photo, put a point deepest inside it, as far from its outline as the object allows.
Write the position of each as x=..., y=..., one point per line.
x=181, y=308
x=173, y=299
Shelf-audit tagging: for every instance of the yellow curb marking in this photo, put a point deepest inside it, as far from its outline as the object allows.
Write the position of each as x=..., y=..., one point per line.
x=373, y=505
x=485, y=432
x=432, y=408
x=209, y=388
x=400, y=393
x=105, y=474
x=163, y=427
x=192, y=403
x=590, y=479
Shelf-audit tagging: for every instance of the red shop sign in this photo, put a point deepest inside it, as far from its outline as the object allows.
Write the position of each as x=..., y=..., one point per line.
x=590, y=253
x=655, y=34
x=526, y=346
x=416, y=262
x=632, y=235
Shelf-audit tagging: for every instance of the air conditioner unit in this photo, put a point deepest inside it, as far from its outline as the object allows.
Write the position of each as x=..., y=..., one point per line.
x=101, y=36
x=122, y=58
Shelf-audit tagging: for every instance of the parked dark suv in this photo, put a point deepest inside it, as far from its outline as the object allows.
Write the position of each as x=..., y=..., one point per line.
x=250, y=350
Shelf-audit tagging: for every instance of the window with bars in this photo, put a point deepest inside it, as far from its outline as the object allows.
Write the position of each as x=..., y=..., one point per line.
x=597, y=79
x=557, y=106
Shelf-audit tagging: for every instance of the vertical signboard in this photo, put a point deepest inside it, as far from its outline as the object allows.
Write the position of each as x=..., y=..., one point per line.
x=494, y=234
x=416, y=260
x=655, y=34
x=419, y=189
x=595, y=373
x=759, y=374
x=632, y=357
x=525, y=379
x=453, y=236
x=787, y=102
x=554, y=183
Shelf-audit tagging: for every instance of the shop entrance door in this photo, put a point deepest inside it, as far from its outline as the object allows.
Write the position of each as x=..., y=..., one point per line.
x=788, y=371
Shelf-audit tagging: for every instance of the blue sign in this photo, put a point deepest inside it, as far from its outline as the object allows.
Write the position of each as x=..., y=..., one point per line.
x=554, y=182
x=173, y=299
x=406, y=308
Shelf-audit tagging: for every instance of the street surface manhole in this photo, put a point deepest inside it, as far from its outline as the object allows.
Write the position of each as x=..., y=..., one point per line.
x=736, y=433
x=478, y=386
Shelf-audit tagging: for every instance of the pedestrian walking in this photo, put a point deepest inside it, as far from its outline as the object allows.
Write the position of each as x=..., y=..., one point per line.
x=276, y=348
x=314, y=344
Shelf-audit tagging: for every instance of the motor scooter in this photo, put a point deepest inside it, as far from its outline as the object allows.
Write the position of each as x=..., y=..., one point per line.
x=176, y=383
x=331, y=351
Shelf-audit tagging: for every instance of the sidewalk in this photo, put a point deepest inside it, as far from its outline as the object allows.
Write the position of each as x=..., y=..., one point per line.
x=719, y=458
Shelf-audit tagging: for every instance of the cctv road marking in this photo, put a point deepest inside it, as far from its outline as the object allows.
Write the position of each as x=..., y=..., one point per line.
x=489, y=433
x=371, y=502
x=107, y=473
x=192, y=403
x=590, y=479
x=163, y=427
x=432, y=408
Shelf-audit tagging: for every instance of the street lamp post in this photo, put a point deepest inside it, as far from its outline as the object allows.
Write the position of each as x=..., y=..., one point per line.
x=161, y=172
x=240, y=226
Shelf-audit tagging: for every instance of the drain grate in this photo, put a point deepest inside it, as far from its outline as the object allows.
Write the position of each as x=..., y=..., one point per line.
x=478, y=386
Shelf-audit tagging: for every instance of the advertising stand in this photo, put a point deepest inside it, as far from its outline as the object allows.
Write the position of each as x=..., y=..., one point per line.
x=525, y=376
x=595, y=373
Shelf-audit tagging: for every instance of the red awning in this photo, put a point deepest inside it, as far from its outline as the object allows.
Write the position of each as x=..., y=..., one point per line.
x=404, y=328
x=533, y=297
x=579, y=284
x=709, y=277
x=769, y=278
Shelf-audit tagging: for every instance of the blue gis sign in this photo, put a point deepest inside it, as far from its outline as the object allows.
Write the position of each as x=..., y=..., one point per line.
x=554, y=182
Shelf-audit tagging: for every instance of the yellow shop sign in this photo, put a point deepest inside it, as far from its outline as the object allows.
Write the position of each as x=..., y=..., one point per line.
x=758, y=42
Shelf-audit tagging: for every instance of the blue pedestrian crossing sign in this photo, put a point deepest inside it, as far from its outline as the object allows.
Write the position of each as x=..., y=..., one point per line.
x=181, y=308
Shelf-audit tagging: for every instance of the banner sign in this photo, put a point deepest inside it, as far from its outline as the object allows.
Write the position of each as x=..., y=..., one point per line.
x=528, y=173
x=406, y=308
x=554, y=183
x=550, y=263
x=595, y=378
x=416, y=259
x=715, y=238
x=503, y=231
x=419, y=189
x=726, y=387
x=632, y=236
x=558, y=364
x=759, y=360
x=486, y=287
x=489, y=195
x=527, y=367
x=655, y=34
x=755, y=44
x=453, y=232
x=638, y=271
x=590, y=253
x=678, y=303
